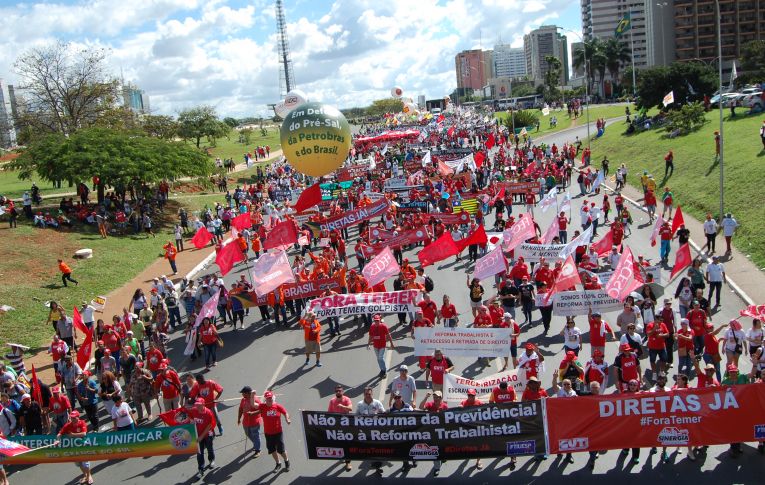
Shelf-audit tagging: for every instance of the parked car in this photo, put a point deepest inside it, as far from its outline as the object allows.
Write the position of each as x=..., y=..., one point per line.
x=726, y=97
x=753, y=100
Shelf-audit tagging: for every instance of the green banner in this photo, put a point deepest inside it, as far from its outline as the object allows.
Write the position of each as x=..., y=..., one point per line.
x=169, y=440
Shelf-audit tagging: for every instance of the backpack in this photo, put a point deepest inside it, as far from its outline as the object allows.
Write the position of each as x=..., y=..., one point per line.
x=429, y=285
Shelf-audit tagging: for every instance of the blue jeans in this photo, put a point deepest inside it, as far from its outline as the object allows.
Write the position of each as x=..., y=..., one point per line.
x=334, y=325
x=253, y=433
x=175, y=316
x=685, y=365
x=380, y=354
x=563, y=236
x=211, y=353
x=664, y=252
x=698, y=344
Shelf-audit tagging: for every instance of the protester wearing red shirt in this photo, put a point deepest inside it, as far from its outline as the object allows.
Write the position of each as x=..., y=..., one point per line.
x=154, y=358
x=249, y=417
x=272, y=428
x=210, y=392
x=59, y=407
x=657, y=347
x=627, y=367
x=379, y=336
x=205, y=421
x=77, y=428
x=341, y=404
x=209, y=336
x=448, y=313
x=483, y=319
x=437, y=366
x=706, y=378
x=562, y=227
x=428, y=307
x=496, y=313
x=533, y=391
x=598, y=331
x=698, y=321
x=169, y=384
x=502, y=393
x=421, y=321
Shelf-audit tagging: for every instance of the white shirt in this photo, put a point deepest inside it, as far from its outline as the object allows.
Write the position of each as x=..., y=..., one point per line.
x=715, y=271
x=406, y=387
x=88, y=314
x=754, y=336
x=729, y=226
x=571, y=337
x=121, y=414
x=613, y=259
x=375, y=407
x=733, y=337
x=710, y=227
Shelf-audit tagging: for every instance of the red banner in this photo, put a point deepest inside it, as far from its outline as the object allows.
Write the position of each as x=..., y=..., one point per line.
x=461, y=217
x=352, y=172
x=520, y=187
x=294, y=291
x=693, y=417
x=404, y=238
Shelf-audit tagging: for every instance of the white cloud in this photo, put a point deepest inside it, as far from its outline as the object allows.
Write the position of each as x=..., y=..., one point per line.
x=223, y=52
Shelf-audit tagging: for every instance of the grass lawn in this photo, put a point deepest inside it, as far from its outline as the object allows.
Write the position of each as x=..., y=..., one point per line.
x=12, y=186
x=695, y=183
x=596, y=111
x=231, y=148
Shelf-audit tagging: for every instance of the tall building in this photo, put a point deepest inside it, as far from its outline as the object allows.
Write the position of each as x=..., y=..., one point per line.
x=473, y=69
x=508, y=61
x=135, y=98
x=695, y=28
x=7, y=113
x=651, y=35
x=540, y=43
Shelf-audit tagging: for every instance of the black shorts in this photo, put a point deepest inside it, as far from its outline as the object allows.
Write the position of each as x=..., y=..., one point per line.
x=275, y=443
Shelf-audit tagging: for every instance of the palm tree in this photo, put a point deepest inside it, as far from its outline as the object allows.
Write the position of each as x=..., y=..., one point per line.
x=590, y=57
x=617, y=54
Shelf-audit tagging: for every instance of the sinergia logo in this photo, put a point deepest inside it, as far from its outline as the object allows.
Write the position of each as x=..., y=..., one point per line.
x=423, y=451
x=673, y=436
x=573, y=444
x=759, y=431
x=327, y=452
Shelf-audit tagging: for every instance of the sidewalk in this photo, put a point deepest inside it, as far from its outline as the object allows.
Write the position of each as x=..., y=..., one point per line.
x=746, y=279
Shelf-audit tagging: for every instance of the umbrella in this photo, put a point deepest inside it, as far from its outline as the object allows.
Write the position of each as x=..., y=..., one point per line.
x=637, y=296
x=656, y=288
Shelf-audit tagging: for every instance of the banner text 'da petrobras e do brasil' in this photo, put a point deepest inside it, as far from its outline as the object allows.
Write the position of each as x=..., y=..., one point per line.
x=171, y=440
x=493, y=430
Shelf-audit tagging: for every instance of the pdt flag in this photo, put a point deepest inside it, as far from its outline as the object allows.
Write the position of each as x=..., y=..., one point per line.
x=202, y=238
x=382, y=267
x=228, y=256
x=438, y=250
x=624, y=280
x=271, y=271
x=493, y=263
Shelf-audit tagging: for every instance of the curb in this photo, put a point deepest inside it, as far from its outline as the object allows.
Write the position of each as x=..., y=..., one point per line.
x=204, y=264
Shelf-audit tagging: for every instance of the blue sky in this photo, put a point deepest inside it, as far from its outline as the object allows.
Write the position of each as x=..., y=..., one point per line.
x=222, y=52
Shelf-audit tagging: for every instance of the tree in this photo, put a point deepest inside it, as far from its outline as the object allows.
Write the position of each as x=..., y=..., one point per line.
x=552, y=78
x=690, y=117
x=196, y=123
x=160, y=126
x=117, y=158
x=231, y=122
x=245, y=135
x=689, y=81
x=62, y=90
x=590, y=57
x=616, y=55
x=753, y=61
x=381, y=106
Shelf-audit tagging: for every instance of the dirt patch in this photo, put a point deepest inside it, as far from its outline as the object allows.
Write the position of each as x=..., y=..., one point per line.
x=24, y=251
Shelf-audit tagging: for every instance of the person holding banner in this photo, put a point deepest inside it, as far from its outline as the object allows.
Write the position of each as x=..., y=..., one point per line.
x=437, y=366
x=627, y=368
x=204, y=420
x=77, y=428
x=470, y=401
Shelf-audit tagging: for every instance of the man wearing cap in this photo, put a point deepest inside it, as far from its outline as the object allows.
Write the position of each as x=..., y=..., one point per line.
x=570, y=369
x=437, y=405
x=533, y=391
x=598, y=330
x=627, y=367
x=86, y=392
x=59, y=408
x=76, y=428
x=707, y=377
x=312, y=337
x=204, y=420
x=169, y=384
x=249, y=417
x=531, y=360
x=379, y=336
x=405, y=385
x=210, y=392
x=30, y=416
x=272, y=428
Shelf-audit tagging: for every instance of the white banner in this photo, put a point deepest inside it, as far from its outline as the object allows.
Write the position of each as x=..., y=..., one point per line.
x=655, y=271
x=456, y=387
x=98, y=303
x=365, y=303
x=571, y=303
x=395, y=183
x=533, y=252
x=465, y=342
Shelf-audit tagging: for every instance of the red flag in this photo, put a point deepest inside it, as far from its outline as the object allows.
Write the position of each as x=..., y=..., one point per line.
x=625, y=279
x=682, y=260
x=175, y=417
x=202, y=238
x=500, y=195
x=229, y=255
x=438, y=250
x=477, y=237
x=309, y=198
x=450, y=132
x=281, y=234
x=242, y=222
x=440, y=119
x=271, y=271
x=84, y=351
x=36, y=391
x=478, y=158
x=603, y=247
x=490, y=142
x=11, y=448
x=444, y=169
x=567, y=277
x=678, y=221
x=77, y=320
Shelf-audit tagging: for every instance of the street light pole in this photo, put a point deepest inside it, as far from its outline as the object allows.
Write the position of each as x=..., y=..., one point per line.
x=720, y=81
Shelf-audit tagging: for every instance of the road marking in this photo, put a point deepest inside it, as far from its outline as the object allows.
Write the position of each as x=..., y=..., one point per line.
x=276, y=372
x=384, y=381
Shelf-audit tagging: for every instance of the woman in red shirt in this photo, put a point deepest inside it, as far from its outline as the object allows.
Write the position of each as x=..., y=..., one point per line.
x=684, y=347
x=209, y=336
x=448, y=313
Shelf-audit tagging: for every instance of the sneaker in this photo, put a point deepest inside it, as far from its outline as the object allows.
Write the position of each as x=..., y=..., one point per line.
x=257, y=454
x=381, y=374
x=318, y=364
x=277, y=467
x=306, y=362
x=286, y=466
x=664, y=456
x=211, y=465
x=200, y=472
x=435, y=472
x=691, y=455
x=636, y=461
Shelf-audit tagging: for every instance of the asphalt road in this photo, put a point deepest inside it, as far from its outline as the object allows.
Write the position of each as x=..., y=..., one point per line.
x=265, y=357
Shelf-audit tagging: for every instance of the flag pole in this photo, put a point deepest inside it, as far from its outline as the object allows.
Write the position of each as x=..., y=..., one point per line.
x=632, y=56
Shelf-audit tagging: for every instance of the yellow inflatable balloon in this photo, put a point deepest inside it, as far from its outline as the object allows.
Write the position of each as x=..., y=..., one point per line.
x=315, y=138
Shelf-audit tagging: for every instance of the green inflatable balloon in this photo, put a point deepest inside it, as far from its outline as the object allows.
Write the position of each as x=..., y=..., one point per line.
x=315, y=138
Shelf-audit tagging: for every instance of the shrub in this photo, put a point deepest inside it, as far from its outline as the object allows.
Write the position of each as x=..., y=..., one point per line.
x=520, y=119
x=689, y=117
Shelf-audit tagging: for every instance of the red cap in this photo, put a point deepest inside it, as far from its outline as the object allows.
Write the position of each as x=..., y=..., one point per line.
x=268, y=394
x=732, y=368
x=529, y=346
x=199, y=400
x=471, y=392
x=571, y=355
x=625, y=347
